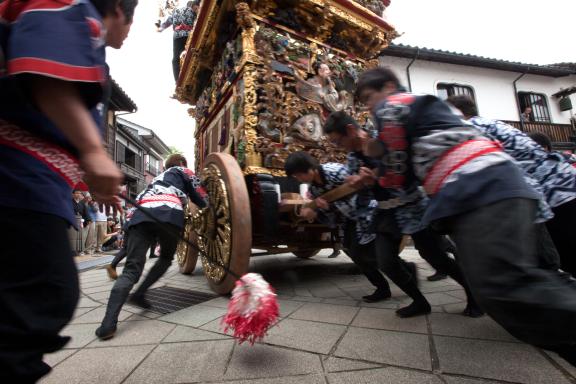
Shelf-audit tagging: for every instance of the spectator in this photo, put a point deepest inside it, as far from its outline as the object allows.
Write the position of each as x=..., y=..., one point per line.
x=77, y=198
x=112, y=235
x=75, y=233
x=165, y=9
x=526, y=116
x=101, y=220
x=90, y=225
x=182, y=20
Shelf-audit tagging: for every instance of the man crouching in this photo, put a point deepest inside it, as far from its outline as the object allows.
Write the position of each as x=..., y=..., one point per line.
x=165, y=199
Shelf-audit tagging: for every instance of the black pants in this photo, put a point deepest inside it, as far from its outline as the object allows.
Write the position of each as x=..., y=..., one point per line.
x=178, y=48
x=387, y=245
x=123, y=251
x=432, y=247
x=561, y=229
x=364, y=256
x=38, y=291
x=498, y=255
x=110, y=242
x=141, y=237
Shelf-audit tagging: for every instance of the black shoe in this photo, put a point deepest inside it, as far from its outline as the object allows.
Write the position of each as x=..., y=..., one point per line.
x=139, y=301
x=417, y=308
x=378, y=295
x=437, y=277
x=334, y=254
x=105, y=333
x=472, y=311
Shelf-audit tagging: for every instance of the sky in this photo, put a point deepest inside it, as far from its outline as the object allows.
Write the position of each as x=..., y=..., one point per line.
x=529, y=31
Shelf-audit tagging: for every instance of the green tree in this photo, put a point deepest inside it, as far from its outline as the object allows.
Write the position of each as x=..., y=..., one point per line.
x=173, y=150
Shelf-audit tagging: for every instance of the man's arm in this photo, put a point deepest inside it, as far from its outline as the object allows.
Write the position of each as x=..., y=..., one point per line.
x=61, y=102
x=167, y=23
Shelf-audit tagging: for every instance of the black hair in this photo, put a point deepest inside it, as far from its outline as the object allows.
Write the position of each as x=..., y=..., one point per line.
x=337, y=123
x=106, y=7
x=465, y=104
x=317, y=64
x=299, y=162
x=542, y=139
x=376, y=79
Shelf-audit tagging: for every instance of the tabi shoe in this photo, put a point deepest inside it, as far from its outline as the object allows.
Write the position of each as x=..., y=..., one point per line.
x=420, y=305
x=472, y=311
x=139, y=301
x=436, y=277
x=417, y=308
x=105, y=333
x=379, y=294
x=334, y=254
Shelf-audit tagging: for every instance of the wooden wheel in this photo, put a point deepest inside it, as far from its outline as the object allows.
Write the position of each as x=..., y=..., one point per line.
x=224, y=228
x=187, y=256
x=306, y=253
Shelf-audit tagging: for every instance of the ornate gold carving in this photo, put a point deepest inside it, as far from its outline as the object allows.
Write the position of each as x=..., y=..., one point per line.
x=374, y=63
x=212, y=225
x=182, y=248
x=250, y=115
x=348, y=17
x=256, y=170
x=246, y=21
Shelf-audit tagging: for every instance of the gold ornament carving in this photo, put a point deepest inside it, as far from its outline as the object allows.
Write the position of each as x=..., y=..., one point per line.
x=182, y=248
x=250, y=115
x=212, y=225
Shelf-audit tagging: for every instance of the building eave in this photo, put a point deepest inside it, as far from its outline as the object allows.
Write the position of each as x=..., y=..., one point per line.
x=119, y=100
x=440, y=56
x=149, y=136
x=129, y=135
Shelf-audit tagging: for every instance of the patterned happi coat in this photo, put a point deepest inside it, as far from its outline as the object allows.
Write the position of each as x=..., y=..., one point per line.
x=555, y=176
x=167, y=195
x=351, y=208
x=408, y=215
x=62, y=39
x=423, y=143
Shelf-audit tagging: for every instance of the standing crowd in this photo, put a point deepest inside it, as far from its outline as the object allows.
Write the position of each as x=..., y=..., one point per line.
x=97, y=229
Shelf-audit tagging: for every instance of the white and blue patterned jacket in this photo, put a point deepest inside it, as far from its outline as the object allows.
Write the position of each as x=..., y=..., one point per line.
x=334, y=175
x=555, y=176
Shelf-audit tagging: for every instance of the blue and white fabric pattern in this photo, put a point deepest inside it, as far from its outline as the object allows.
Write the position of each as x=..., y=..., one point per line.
x=555, y=176
x=334, y=175
x=408, y=216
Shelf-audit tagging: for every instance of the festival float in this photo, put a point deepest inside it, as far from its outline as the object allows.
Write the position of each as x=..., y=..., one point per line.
x=261, y=77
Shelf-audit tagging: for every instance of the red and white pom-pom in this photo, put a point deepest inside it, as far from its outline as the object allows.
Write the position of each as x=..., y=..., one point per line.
x=252, y=310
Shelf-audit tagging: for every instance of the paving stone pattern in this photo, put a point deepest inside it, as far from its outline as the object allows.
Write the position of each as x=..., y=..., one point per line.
x=325, y=335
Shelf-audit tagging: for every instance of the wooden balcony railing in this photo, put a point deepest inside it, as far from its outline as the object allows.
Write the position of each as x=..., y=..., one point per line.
x=562, y=135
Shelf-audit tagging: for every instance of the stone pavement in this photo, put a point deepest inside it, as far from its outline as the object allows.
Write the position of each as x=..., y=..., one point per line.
x=326, y=335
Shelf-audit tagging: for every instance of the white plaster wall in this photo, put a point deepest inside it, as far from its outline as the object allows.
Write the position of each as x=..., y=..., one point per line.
x=493, y=89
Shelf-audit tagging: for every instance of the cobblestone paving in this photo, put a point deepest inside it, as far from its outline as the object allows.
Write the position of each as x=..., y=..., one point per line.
x=326, y=335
